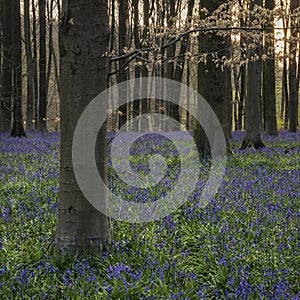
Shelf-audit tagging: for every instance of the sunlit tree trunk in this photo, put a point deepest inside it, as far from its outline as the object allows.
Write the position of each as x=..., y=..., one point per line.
x=17, y=127
x=284, y=113
x=84, y=38
x=6, y=101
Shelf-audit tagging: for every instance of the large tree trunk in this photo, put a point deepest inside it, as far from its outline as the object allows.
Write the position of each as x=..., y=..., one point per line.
x=17, y=128
x=6, y=103
x=212, y=80
x=42, y=125
x=269, y=87
x=84, y=38
x=253, y=100
x=29, y=67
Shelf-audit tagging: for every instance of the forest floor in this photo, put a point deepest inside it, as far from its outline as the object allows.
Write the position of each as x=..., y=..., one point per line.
x=243, y=245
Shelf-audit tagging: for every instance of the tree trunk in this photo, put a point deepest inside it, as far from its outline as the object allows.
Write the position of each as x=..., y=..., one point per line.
x=284, y=114
x=144, y=68
x=17, y=127
x=293, y=90
x=172, y=108
x=269, y=87
x=50, y=43
x=1, y=48
x=29, y=68
x=123, y=73
x=6, y=102
x=212, y=80
x=35, y=59
x=42, y=125
x=137, y=68
x=84, y=38
x=253, y=100
x=243, y=77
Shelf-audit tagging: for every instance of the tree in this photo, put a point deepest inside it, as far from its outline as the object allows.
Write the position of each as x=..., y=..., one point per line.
x=284, y=113
x=83, y=39
x=269, y=90
x=212, y=79
x=17, y=126
x=292, y=73
x=29, y=68
x=35, y=63
x=123, y=73
x=6, y=102
x=42, y=122
x=1, y=48
x=253, y=100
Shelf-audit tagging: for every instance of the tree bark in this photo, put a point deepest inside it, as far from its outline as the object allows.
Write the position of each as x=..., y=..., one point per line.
x=269, y=86
x=42, y=124
x=1, y=47
x=84, y=38
x=123, y=73
x=144, y=69
x=29, y=69
x=253, y=101
x=137, y=68
x=212, y=80
x=17, y=127
x=6, y=101
x=35, y=64
x=292, y=73
x=50, y=43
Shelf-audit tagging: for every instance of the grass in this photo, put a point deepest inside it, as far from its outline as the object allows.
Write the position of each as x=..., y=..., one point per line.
x=243, y=245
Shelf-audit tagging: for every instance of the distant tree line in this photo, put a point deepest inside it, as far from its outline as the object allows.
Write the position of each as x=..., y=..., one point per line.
x=224, y=49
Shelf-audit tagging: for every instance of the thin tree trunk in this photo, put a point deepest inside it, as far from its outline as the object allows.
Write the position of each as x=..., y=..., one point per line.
x=284, y=92
x=35, y=64
x=17, y=127
x=29, y=67
x=137, y=68
x=123, y=73
x=42, y=125
x=80, y=226
x=184, y=44
x=293, y=91
x=50, y=43
x=236, y=98
x=269, y=86
x=188, y=80
x=144, y=68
